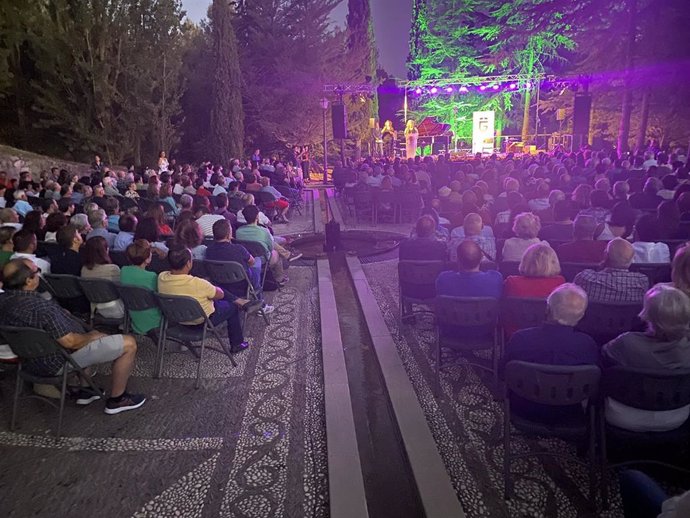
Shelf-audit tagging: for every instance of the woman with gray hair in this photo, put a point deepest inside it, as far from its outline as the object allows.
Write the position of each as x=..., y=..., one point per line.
x=526, y=228
x=663, y=346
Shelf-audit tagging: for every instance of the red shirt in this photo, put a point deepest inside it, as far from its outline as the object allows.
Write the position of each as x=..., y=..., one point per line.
x=202, y=191
x=521, y=286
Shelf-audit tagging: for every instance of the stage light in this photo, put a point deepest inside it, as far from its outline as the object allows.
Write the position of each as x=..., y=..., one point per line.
x=449, y=89
x=482, y=88
x=463, y=89
x=495, y=87
x=528, y=85
x=433, y=90
x=418, y=91
x=512, y=86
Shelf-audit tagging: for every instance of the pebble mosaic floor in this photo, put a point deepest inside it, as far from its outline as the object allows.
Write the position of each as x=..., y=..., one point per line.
x=249, y=443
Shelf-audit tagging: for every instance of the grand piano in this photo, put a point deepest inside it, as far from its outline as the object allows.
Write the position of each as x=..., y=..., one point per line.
x=434, y=134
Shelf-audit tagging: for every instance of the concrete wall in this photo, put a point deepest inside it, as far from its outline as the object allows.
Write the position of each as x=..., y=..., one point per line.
x=14, y=161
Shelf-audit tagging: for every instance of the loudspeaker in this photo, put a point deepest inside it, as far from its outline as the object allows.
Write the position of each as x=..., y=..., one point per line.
x=581, y=112
x=339, y=119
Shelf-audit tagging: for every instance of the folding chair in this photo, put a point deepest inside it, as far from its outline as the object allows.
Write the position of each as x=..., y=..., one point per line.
x=228, y=273
x=136, y=298
x=31, y=344
x=176, y=309
x=101, y=291
x=417, y=284
x=256, y=249
x=604, y=321
x=523, y=312
x=66, y=289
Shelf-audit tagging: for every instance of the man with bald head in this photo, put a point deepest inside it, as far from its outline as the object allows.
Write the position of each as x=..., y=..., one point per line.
x=468, y=280
x=473, y=229
x=21, y=305
x=614, y=283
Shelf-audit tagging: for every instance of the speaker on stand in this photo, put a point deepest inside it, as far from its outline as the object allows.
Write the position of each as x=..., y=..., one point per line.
x=339, y=118
x=582, y=107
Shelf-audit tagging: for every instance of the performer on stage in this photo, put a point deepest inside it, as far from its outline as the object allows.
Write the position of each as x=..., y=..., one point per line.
x=411, y=135
x=389, y=136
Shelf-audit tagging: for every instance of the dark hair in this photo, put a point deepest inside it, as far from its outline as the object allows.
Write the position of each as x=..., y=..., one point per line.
x=157, y=212
x=221, y=229
x=189, y=234
x=250, y=212
x=222, y=201
x=426, y=226
x=20, y=272
x=563, y=209
x=64, y=204
x=128, y=223
x=111, y=205
x=148, y=229
x=96, y=252
x=55, y=222
x=66, y=235
x=179, y=256
x=6, y=234
x=138, y=252
x=647, y=228
x=23, y=239
x=32, y=221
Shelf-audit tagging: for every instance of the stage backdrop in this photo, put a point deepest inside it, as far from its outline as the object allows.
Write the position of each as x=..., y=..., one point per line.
x=483, y=132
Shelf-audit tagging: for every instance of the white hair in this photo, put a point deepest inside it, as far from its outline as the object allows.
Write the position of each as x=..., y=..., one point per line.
x=567, y=304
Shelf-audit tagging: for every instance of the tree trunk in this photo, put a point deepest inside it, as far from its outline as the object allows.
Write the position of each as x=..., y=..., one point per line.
x=526, y=115
x=644, y=120
x=626, y=109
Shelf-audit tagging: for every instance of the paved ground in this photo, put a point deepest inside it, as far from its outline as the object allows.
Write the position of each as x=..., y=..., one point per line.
x=249, y=443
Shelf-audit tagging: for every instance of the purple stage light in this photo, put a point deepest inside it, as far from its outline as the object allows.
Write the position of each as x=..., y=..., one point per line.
x=449, y=89
x=433, y=90
x=482, y=88
x=512, y=86
x=418, y=91
x=495, y=87
x=463, y=89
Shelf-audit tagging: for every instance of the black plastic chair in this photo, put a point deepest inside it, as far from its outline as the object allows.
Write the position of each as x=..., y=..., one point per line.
x=292, y=195
x=47, y=249
x=101, y=291
x=136, y=298
x=452, y=314
x=409, y=204
x=256, y=249
x=555, y=386
x=159, y=265
x=417, y=285
x=604, y=322
x=570, y=270
x=364, y=205
x=508, y=268
x=66, y=289
x=651, y=390
x=655, y=272
x=175, y=310
x=199, y=269
x=30, y=344
x=523, y=312
x=386, y=199
x=233, y=274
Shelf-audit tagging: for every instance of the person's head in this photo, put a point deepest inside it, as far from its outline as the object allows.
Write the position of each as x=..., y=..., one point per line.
x=222, y=201
x=156, y=212
x=128, y=223
x=526, y=225
x=189, y=234
x=581, y=195
x=647, y=229
x=96, y=252
x=55, y=222
x=69, y=237
x=426, y=226
x=472, y=224
x=98, y=190
x=600, y=199
x=619, y=254
x=98, y=219
x=469, y=256
x=8, y=215
x=147, y=229
x=166, y=190
x=81, y=221
x=563, y=210
x=222, y=231
x=139, y=253
x=622, y=216
x=680, y=273
x=6, y=234
x=20, y=274
x=584, y=227
x=186, y=202
x=34, y=221
x=666, y=310
x=180, y=259
x=24, y=241
x=539, y=261
x=251, y=214
x=651, y=186
x=555, y=196
x=566, y=305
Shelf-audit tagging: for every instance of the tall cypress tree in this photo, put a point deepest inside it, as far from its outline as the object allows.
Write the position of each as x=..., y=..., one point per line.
x=227, y=115
x=417, y=49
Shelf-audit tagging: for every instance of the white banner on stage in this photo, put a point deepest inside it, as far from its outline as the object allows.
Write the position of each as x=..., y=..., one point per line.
x=483, y=132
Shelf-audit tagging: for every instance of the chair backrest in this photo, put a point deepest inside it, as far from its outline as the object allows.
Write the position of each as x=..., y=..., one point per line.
x=655, y=272
x=64, y=286
x=199, y=269
x=119, y=257
x=137, y=298
x=555, y=385
x=610, y=319
x=47, y=249
x=30, y=343
x=409, y=199
x=416, y=273
x=523, y=312
x=254, y=247
x=226, y=272
x=99, y=291
x=509, y=268
x=570, y=270
x=363, y=197
x=647, y=389
x=177, y=309
x=159, y=265
x=466, y=311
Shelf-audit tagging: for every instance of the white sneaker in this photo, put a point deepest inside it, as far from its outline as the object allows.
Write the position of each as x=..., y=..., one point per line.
x=267, y=309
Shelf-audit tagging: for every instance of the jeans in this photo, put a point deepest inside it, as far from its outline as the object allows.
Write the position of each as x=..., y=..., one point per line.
x=642, y=497
x=228, y=312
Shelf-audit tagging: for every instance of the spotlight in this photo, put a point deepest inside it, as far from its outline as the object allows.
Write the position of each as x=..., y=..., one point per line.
x=495, y=87
x=482, y=88
x=418, y=91
x=449, y=89
x=512, y=86
x=528, y=86
x=463, y=89
x=433, y=90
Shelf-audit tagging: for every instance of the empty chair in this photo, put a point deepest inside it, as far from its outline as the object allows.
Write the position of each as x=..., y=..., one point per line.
x=553, y=386
x=523, y=312
x=604, y=321
x=409, y=205
x=32, y=344
x=364, y=205
x=417, y=284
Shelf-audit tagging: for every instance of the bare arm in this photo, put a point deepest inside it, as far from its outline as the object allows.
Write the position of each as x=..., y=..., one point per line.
x=220, y=294
x=75, y=341
x=251, y=260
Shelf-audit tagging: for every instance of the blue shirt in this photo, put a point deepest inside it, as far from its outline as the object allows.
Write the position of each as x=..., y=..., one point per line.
x=123, y=240
x=22, y=207
x=470, y=284
x=114, y=223
x=109, y=236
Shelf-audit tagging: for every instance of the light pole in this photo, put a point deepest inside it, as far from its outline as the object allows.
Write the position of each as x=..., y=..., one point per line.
x=324, y=105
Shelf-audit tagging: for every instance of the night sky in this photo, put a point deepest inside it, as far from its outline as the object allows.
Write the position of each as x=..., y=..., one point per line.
x=392, y=20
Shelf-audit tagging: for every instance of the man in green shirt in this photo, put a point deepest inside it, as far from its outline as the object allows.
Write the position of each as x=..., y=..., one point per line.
x=139, y=254
x=253, y=232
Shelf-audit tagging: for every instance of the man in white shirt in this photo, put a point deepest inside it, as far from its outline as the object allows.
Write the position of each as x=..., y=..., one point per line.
x=648, y=248
x=220, y=186
x=10, y=218
x=206, y=220
x=649, y=161
x=25, y=244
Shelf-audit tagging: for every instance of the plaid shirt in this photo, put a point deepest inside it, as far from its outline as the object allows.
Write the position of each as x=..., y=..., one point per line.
x=613, y=285
x=28, y=309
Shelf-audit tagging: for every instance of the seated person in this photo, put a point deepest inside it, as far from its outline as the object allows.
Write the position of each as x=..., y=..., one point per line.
x=647, y=245
x=178, y=281
x=222, y=208
x=473, y=229
x=526, y=229
x=98, y=265
x=128, y=225
x=25, y=244
x=67, y=260
x=664, y=346
x=584, y=248
x=253, y=232
x=424, y=246
x=615, y=282
x=6, y=244
x=188, y=234
x=553, y=343
x=99, y=226
x=21, y=305
x=282, y=205
x=562, y=227
x=205, y=220
x=139, y=253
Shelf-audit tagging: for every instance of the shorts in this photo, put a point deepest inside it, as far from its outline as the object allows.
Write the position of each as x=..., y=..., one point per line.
x=102, y=350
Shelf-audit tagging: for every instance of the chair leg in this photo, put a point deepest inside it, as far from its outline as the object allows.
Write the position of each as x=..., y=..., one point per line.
x=437, y=384
x=603, y=460
x=592, y=455
x=19, y=385
x=507, y=482
x=63, y=395
x=232, y=356
x=201, y=357
x=161, y=351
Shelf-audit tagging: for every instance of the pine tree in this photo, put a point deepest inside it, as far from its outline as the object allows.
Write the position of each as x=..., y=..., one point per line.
x=227, y=115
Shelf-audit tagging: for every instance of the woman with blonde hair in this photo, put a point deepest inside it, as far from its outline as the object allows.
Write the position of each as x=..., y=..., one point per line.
x=411, y=135
x=526, y=227
x=680, y=272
